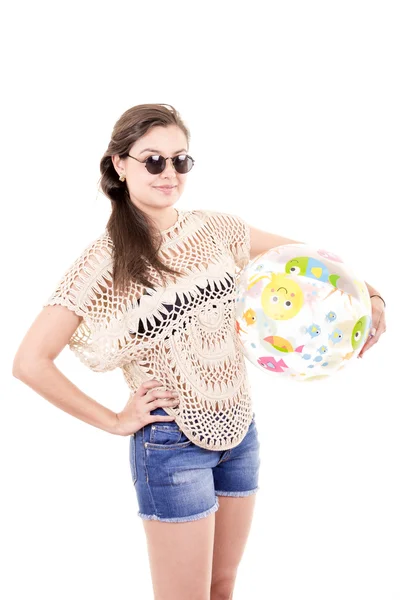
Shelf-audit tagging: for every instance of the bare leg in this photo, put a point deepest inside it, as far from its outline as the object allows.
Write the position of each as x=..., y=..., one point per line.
x=181, y=557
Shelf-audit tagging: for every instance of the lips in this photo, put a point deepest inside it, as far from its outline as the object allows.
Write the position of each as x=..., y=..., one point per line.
x=165, y=187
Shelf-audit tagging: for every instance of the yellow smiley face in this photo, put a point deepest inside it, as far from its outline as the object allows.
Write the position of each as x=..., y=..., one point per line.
x=281, y=299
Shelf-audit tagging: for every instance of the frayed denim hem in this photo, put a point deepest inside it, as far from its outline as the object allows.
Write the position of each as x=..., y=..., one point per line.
x=238, y=494
x=182, y=519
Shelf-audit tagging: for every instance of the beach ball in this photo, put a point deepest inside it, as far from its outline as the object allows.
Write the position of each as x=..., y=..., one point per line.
x=301, y=313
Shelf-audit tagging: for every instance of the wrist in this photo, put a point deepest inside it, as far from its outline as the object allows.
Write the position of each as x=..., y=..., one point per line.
x=380, y=297
x=120, y=427
x=116, y=428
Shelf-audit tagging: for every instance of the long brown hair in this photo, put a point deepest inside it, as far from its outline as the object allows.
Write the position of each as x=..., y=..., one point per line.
x=135, y=238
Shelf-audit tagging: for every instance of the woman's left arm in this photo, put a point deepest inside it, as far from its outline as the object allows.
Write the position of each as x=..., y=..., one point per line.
x=262, y=241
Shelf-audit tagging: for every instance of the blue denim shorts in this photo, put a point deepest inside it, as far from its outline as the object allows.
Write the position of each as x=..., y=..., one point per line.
x=176, y=480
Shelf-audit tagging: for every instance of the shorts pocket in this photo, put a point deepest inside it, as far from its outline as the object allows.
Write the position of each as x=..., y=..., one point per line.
x=166, y=436
x=132, y=457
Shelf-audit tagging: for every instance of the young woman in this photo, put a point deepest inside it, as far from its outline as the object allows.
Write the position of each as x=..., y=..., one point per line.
x=154, y=295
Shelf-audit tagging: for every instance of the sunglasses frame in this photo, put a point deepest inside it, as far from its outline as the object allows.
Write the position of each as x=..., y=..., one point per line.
x=144, y=162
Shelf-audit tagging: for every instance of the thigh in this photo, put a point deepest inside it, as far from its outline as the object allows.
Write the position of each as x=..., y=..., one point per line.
x=180, y=556
x=238, y=473
x=232, y=527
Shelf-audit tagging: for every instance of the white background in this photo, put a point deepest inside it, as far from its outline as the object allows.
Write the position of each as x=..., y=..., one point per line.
x=293, y=109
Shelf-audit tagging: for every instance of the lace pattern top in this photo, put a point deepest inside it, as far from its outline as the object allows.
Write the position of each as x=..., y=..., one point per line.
x=182, y=334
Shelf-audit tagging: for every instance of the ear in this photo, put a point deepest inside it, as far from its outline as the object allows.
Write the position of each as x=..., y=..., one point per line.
x=119, y=163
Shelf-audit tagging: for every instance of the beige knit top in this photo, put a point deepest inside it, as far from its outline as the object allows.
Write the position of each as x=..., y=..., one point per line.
x=182, y=334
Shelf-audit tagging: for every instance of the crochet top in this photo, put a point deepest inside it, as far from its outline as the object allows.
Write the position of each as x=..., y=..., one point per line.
x=182, y=334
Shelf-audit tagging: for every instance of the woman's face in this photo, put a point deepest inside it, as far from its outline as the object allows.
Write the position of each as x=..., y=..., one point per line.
x=142, y=185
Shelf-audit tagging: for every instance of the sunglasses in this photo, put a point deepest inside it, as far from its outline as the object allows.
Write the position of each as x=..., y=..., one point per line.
x=156, y=164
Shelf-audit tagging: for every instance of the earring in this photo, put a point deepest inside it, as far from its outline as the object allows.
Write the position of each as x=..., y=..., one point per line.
x=122, y=177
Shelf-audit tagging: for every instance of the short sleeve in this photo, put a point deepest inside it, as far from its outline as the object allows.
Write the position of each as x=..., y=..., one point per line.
x=76, y=288
x=86, y=288
x=234, y=232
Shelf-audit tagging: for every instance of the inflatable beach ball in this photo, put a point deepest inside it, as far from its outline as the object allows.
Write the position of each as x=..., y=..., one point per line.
x=301, y=313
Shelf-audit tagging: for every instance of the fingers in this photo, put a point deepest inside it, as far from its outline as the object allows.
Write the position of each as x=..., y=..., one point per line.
x=374, y=336
x=367, y=346
x=149, y=392
x=369, y=343
x=168, y=397
x=148, y=385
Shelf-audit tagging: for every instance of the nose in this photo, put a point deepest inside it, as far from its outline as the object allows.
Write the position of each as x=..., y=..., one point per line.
x=169, y=170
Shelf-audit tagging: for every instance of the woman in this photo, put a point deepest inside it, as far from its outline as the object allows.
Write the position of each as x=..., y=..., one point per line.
x=154, y=295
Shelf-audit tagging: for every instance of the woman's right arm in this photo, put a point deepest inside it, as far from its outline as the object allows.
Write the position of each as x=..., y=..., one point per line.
x=34, y=365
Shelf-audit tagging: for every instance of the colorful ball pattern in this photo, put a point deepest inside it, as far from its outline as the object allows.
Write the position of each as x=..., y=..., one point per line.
x=301, y=313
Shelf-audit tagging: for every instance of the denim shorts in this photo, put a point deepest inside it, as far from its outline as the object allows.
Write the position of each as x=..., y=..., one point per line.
x=175, y=480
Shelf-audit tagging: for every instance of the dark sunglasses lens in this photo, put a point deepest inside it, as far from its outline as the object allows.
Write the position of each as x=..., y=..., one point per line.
x=183, y=163
x=155, y=164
